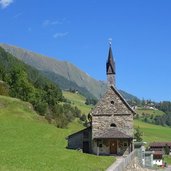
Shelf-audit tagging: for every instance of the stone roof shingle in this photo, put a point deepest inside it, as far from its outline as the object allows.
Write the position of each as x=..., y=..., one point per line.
x=112, y=133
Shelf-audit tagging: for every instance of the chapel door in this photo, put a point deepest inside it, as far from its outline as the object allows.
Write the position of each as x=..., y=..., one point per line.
x=113, y=147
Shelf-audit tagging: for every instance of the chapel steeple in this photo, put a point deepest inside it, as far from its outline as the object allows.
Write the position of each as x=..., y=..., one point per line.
x=110, y=68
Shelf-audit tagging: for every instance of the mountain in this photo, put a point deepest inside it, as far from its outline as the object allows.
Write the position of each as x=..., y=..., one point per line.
x=55, y=68
x=65, y=74
x=27, y=83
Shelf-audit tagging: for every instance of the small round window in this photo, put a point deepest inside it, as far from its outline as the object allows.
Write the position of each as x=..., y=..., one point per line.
x=112, y=102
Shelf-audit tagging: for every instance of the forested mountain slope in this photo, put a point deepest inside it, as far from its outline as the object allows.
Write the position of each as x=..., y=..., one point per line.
x=28, y=84
x=65, y=74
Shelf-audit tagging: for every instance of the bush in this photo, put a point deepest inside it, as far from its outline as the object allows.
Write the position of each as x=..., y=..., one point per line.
x=138, y=134
x=83, y=117
x=41, y=108
x=4, y=90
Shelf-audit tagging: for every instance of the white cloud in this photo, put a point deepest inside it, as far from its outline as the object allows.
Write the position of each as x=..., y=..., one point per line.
x=51, y=23
x=58, y=35
x=5, y=3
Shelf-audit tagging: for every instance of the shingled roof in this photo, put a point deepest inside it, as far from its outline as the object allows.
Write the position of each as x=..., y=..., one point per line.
x=160, y=144
x=83, y=130
x=111, y=133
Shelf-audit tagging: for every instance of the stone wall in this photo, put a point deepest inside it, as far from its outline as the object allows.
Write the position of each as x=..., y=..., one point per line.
x=104, y=149
x=112, y=108
x=124, y=123
x=129, y=163
x=119, y=105
x=135, y=166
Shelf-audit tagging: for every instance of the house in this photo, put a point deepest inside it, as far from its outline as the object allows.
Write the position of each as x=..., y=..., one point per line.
x=160, y=146
x=111, y=127
x=158, y=158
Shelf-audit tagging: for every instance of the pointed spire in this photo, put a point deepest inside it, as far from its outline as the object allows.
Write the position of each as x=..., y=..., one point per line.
x=110, y=68
x=110, y=65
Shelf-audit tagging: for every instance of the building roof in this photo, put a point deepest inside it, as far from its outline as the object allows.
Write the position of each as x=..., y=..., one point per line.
x=123, y=100
x=160, y=144
x=111, y=133
x=86, y=129
x=110, y=64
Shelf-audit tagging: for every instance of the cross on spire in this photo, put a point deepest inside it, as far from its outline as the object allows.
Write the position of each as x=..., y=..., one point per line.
x=110, y=42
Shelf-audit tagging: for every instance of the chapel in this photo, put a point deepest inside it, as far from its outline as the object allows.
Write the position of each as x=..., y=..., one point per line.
x=111, y=127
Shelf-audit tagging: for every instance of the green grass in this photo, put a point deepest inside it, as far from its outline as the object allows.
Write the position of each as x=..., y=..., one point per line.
x=152, y=132
x=150, y=112
x=167, y=159
x=78, y=100
x=29, y=143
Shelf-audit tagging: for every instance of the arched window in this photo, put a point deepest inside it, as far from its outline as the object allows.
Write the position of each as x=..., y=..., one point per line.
x=112, y=125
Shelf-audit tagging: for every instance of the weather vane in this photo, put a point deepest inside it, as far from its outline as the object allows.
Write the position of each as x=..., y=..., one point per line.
x=110, y=41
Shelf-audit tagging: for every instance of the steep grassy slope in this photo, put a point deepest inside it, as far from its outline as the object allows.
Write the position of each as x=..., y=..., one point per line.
x=153, y=132
x=28, y=143
x=167, y=159
x=78, y=100
x=150, y=112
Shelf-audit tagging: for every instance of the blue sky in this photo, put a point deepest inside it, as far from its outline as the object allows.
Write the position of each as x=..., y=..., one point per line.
x=78, y=31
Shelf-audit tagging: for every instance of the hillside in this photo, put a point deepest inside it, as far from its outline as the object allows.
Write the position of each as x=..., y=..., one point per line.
x=149, y=112
x=153, y=132
x=65, y=74
x=28, y=84
x=64, y=69
x=28, y=143
x=78, y=100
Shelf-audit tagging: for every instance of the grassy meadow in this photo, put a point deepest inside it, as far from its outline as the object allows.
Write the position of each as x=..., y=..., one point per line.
x=29, y=143
x=167, y=159
x=78, y=100
x=150, y=112
x=152, y=132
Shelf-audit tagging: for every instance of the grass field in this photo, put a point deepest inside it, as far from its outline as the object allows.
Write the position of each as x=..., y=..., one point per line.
x=167, y=159
x=149, y=112
x=78, y=100
x=28, y=143
x=152, y=132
